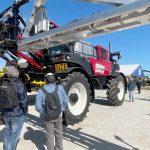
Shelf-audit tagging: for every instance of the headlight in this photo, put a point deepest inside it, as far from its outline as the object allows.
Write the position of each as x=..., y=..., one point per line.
x=22, y=63
x=67, y=57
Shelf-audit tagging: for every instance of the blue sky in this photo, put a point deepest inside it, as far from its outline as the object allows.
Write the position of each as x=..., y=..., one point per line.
x=133, y=44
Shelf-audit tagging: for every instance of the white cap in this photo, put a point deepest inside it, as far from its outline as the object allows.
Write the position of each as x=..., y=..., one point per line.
x=49, y=74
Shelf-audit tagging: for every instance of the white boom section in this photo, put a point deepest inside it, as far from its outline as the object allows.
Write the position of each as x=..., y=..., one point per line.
x=38, y=3
x=109, y=2
x=38, y=13
x=117, y=19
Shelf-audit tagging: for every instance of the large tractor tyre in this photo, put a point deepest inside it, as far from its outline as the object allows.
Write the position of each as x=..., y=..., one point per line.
x=116, y=91
x=78, y=90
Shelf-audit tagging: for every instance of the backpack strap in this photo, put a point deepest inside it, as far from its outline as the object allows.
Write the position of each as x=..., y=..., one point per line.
x=13, y=83
x=6, y=79
x=56, y=89
x=10, y=81
x=44, y=91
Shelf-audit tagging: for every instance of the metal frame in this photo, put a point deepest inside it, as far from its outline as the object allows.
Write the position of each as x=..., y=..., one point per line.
x=38, y=14
x=109, y=2
x=119, y=18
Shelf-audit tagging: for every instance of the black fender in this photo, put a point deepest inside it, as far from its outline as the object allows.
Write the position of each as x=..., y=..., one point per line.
x=76, y=60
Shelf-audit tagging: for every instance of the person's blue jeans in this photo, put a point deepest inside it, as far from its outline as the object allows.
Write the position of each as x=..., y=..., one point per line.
x=131, y=96
x=12, y=131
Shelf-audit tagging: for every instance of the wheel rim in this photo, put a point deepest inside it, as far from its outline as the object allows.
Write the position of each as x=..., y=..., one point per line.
x=120, y=91
x=78, y=104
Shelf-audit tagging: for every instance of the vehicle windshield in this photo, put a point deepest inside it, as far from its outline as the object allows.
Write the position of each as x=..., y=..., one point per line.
x=59, y=49
x=85, y=49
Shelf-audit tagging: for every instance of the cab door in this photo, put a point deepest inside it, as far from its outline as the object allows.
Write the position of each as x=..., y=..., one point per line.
x=101, y=65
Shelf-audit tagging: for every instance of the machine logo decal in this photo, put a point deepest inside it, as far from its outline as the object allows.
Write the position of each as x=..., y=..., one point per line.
x=99, y=68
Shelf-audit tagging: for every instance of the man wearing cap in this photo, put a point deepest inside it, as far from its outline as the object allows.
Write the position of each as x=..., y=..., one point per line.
x=131, y=87
x=53, y=128
x=15, y=117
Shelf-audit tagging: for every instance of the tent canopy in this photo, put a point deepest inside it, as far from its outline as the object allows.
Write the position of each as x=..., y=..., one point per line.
x=134, y=69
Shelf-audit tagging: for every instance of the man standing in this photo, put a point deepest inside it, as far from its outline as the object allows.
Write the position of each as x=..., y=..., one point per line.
x=131, y=87
x=139, y=85
x=15, y=117
x=53, y=127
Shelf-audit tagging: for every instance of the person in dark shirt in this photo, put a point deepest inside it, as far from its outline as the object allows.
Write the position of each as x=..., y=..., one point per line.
x=15, y=117
x=139, y=85
x=131, y=87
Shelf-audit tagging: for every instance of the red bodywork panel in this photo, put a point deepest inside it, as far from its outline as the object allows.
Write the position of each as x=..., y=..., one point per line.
x=39, y=53
x=101, y=65
x=53, y=24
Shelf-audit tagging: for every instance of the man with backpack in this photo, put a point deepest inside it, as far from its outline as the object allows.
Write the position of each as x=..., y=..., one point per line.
x=51, y=101
x=13, y=104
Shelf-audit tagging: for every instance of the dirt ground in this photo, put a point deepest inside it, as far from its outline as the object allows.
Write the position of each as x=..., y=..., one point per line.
x=126, y=127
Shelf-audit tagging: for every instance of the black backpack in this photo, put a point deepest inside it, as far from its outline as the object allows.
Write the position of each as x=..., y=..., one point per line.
x=52, y=104
x=8, y=93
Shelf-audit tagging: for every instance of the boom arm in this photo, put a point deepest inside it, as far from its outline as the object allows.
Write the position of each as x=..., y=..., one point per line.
x=110, y=2
x=119, y=18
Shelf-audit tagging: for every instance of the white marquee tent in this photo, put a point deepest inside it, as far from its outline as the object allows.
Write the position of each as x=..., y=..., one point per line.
x=134, y=69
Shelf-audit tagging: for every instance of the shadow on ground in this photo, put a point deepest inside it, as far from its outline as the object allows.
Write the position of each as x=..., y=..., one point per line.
x=143, y=99
x=31, y=99
x=75, y=136
x=34, y=121
x=121, y=140
x=148, y=114
x=36, y=136
x=101, y=101
x=88, y=141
